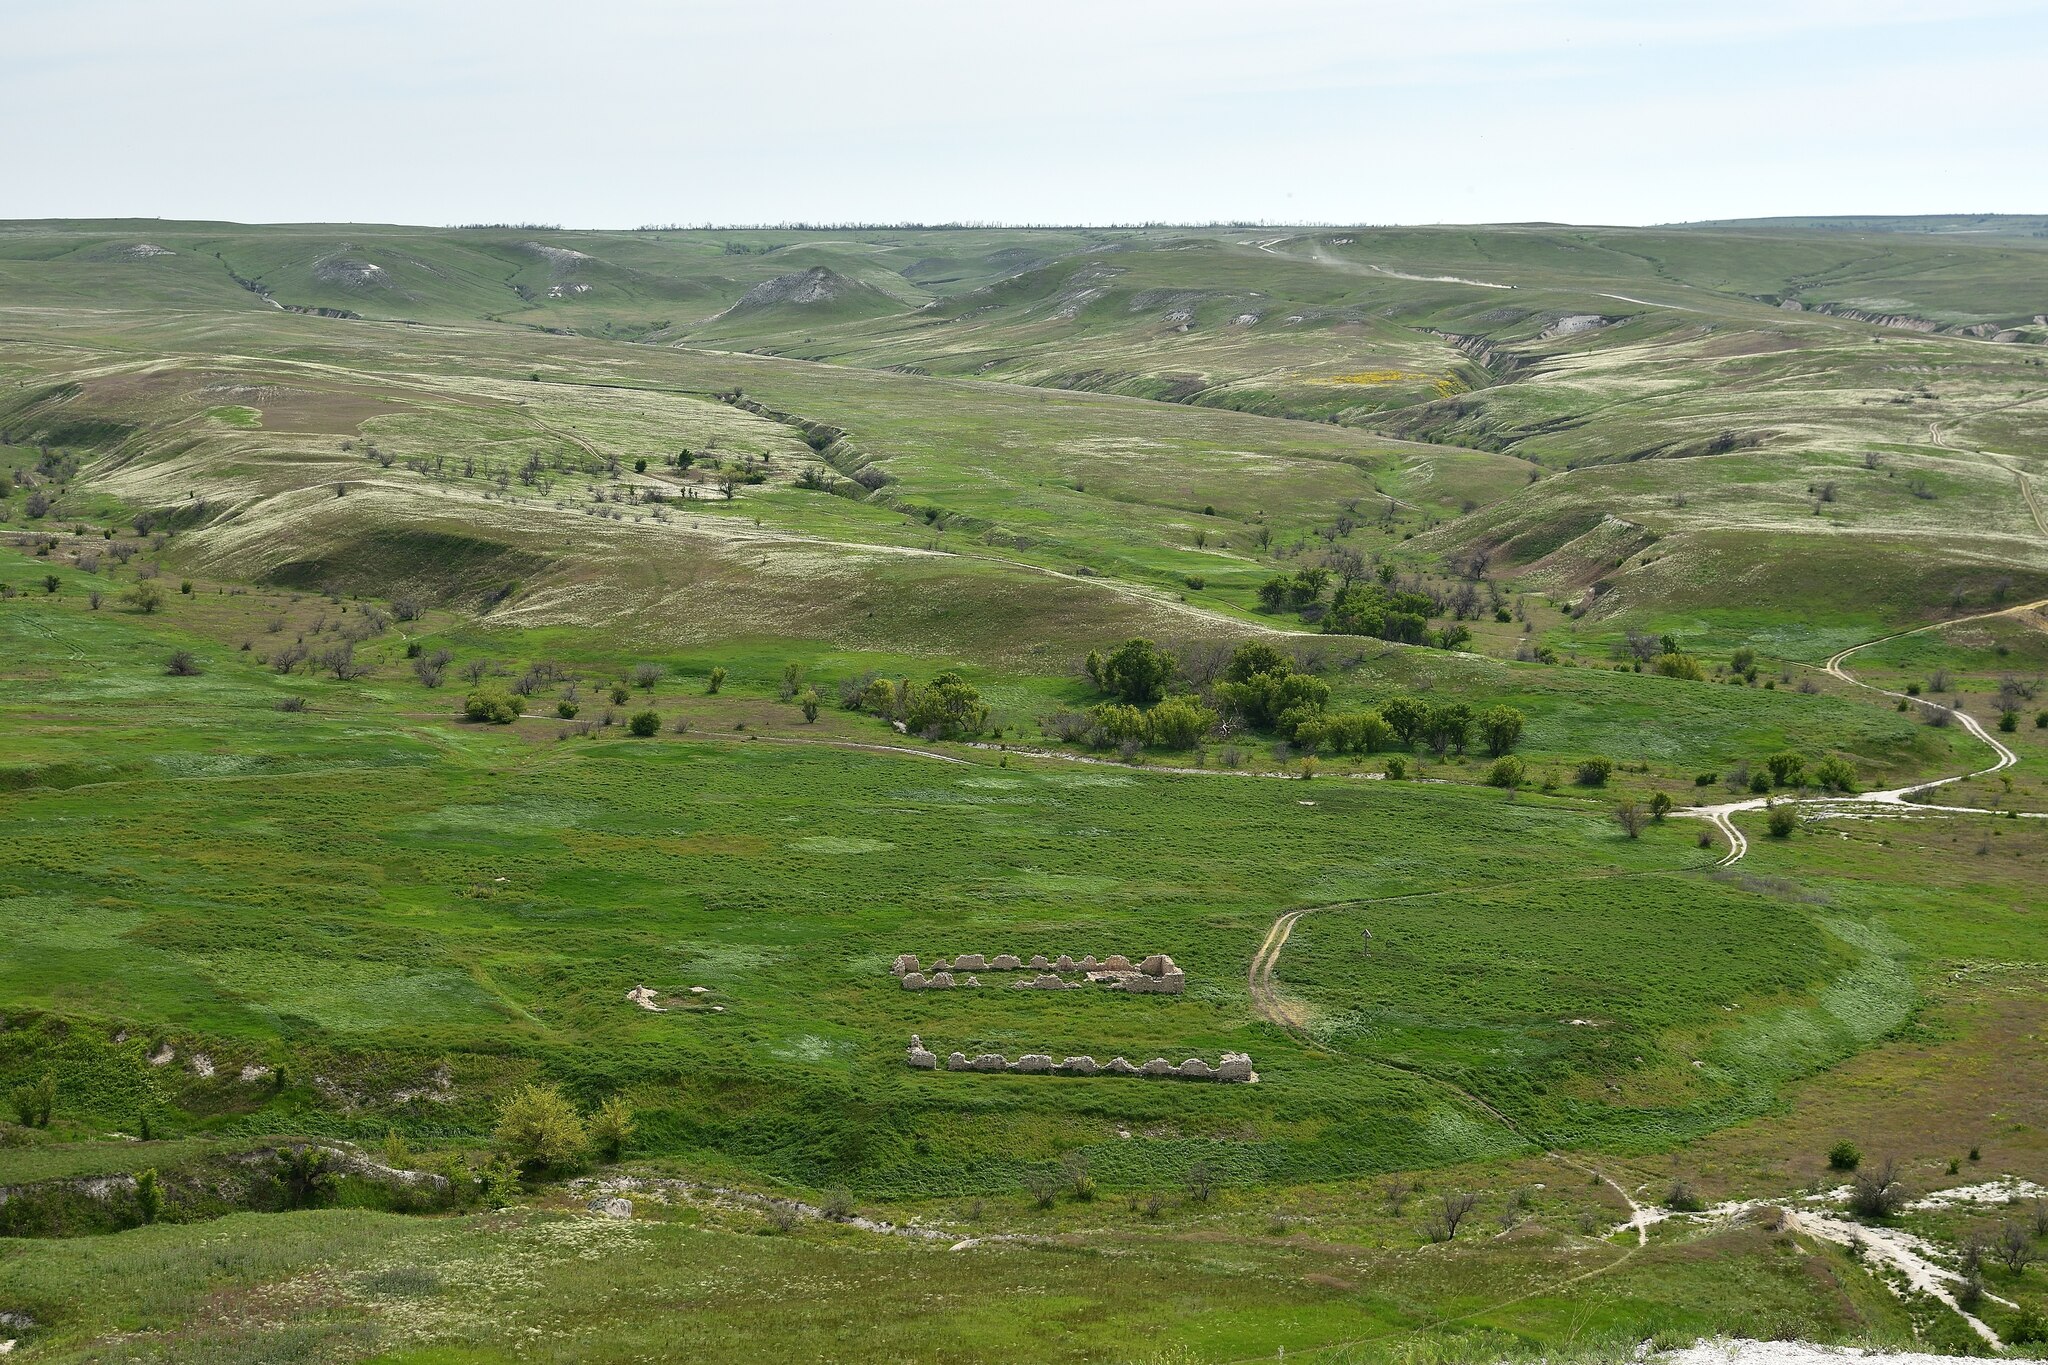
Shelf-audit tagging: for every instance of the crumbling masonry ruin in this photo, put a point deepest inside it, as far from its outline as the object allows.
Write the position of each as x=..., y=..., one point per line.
x=1156, y=975
x=1235, y=1066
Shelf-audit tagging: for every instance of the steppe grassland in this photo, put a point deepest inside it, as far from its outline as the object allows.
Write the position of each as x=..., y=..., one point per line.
x=1733, y=1027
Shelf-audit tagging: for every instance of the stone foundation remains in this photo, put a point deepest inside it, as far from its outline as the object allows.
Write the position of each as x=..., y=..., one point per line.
x=1235, y=1066
x=1156, y=975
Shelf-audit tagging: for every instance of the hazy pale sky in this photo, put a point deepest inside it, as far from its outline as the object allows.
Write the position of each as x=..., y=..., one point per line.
x=618, y=113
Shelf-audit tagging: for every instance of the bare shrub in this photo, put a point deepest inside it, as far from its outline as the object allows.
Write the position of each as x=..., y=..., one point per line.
x=1451, y=1211
x=1877, y=1191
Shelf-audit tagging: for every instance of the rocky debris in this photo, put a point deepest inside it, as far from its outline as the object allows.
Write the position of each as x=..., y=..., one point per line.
x=163, y=1056
x=1044, y=981
x=612, y=1206
x=1235, y=1066
x=1117, y=962
x=1065, y=964
x=254, y=1072
x=804, y=288
x=1007, y=962
x=970, y=962
x=914, y=981
x=1038, y=963
x=646, y=998
x=906, y=963
x=1156, y=975
x=1572, y=324
x=202, y=1065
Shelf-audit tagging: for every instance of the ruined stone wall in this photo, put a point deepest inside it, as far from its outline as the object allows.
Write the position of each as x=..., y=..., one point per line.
x=1235, y=1066
x=1156, y=975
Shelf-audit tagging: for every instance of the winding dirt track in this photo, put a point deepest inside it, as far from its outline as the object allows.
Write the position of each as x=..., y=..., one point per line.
x=1722, y=817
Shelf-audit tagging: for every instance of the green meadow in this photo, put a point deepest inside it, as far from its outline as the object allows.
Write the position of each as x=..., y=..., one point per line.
x=290, y=934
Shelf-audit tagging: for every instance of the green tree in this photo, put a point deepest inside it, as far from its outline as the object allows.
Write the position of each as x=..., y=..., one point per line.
x=1835, y=774
x=1675, y=665
x=1274, y=700
x=1787, y=769
x=1660, y=806
x=1255, y=656
x=1179, y=723
x=1782, y=822
x=1501, y=728
x=611, y=1128
x=1448, y=727
x=1594, y=772
x=1407, y=716
x=538, y=1128
x=947, y=707
x=715, y=681
x=491, y=703
x=1136, y=671
x=303, y=1174
x=1508, y=771
x=807, y=701
x=880, y=698
x=149, y=1195
x=644, y=724
x=1116, y=723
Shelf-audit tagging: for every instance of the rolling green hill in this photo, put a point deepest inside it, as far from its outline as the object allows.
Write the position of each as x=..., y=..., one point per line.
x=436, y=663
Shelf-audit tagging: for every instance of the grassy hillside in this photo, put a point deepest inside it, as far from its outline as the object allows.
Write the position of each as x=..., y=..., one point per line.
x=729, y=513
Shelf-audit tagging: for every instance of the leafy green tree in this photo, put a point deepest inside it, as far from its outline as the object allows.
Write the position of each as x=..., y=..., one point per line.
x=149, y=1195
x=947, y=707
x=1114, y=723
x=1274, y=701
x=492, y=704
x=146, y=596
x=611, y=1128
x=1508, y=771
x=714, y=681
x=1844, y=1156
x=538, y=1128
x=1501, y=728
x=1255, y=656
x=644, y=724
x=807, y=702
x=303, y=1174
x=1136, y=671
x=1448, y=727
x=1675, y=665
x=1835, y=774
x=1786, y=768
x=1179, y=723
x=880, y=698
x=1594, y=772
x=1660, y=806
x=1407, y=716
x=1782, y=822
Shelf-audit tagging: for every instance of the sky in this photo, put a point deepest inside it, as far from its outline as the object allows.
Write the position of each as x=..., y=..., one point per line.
x=622, y=113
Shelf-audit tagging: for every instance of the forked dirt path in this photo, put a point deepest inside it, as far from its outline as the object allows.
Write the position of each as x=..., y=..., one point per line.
x=1722, y=816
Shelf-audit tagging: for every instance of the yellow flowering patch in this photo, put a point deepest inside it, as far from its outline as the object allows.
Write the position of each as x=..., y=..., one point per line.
x=1374, y=377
